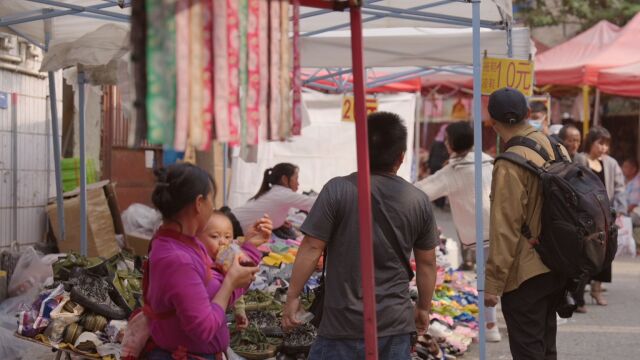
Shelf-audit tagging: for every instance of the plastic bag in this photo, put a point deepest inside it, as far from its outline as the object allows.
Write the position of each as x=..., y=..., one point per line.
x=30, y=272
x=626, y=243
x=135, y=336
x=141, y=219
x=60, y=318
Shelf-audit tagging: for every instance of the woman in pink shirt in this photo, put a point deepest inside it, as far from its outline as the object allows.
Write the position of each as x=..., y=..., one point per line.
x=188, y=299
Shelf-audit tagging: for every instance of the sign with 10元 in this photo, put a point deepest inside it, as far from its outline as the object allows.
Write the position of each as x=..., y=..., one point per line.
x=499, y=73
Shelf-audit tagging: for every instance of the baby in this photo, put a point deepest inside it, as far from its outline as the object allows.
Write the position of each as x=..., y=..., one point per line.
x=218, y=234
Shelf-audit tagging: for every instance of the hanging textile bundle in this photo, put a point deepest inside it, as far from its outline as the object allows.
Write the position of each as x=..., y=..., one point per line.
x=207, y=76
x=296, y=109
x=182, y=74
x=161, y=71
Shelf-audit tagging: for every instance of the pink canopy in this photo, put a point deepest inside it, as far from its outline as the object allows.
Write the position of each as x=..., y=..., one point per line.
x=565, y=63
x=624, y=80
x=624, y=50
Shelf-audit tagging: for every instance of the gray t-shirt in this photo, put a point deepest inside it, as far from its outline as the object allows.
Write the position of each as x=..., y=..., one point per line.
x=334, y=219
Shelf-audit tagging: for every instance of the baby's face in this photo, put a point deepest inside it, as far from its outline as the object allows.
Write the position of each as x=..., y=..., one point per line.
x=218, y=232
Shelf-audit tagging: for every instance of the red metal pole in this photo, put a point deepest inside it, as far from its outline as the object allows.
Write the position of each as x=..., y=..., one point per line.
x=364, y=189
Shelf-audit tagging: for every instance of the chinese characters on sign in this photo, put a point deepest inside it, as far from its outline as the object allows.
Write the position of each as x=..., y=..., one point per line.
x=348, y=105
x=499, y=73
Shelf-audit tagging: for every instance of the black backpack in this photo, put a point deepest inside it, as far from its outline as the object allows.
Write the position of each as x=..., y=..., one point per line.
x=578, y=237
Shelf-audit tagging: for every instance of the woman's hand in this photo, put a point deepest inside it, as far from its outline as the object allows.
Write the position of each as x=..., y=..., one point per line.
x=239, y=276
x=260, y=232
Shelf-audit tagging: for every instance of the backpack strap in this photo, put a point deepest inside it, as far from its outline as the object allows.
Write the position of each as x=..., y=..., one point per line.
x=520, y=161
x=557, y=149
x=529, y=143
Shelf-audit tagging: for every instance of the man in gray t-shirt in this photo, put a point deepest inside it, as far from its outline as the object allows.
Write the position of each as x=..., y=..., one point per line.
x=333, y=224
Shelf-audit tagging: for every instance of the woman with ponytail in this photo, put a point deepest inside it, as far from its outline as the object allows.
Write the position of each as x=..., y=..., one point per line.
x=185, y=298
x=276, y=196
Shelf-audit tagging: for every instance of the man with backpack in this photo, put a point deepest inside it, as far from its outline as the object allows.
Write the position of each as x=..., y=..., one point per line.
x=515, y=271
x=552, y=229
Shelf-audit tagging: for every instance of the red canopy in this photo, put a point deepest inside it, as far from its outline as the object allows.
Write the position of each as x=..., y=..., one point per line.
x=624, y=80
x=565, y=63
x=624, y=50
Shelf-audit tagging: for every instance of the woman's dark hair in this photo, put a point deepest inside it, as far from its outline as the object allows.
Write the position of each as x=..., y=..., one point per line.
x=272, y=177
x=596, y=133
x=179, y=185
x=565, y=130
x=460, y=136
x=387, y=140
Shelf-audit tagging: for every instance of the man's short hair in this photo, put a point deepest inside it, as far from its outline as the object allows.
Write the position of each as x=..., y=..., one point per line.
x=564, y=132
x=460, y=136
x=508, y=106
x=387, y=140
x=538, y=106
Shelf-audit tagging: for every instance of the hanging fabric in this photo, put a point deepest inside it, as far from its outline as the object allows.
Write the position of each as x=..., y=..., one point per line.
x=285, y=73
x=263, y=68
x=196, y=93
x=233, y=59
x=161, y=71
x=274, y=70
x=182, y=74
x=220, y=65
x=254, y=70
x=243, y=20
x=296, y=127
x=207, y=76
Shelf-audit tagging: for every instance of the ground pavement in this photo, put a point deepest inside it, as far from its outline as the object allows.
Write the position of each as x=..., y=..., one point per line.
x=604, y=332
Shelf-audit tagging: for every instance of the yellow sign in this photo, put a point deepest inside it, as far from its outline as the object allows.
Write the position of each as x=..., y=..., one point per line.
x=499, y=73
x=348, y=106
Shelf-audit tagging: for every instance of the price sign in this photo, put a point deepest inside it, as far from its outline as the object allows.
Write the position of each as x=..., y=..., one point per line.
x=348, y=105
x=499, y=73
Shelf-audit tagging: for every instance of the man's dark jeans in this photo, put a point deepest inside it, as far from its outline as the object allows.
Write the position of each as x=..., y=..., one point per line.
x=396, y=347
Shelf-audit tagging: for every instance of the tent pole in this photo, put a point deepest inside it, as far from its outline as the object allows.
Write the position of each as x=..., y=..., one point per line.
x=477, y=140
x=586, y=110
x=56, y=153
x=83, y=166
x=364, y=188
x=14, y=166
x=53, y=101
x=596, y=109
x=225, y=164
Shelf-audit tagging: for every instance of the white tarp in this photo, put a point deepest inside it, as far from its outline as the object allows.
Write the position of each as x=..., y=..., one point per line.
x=326, y=148
x=63, y=28
x=490, y=10
x=425, y=47
x=105, y=44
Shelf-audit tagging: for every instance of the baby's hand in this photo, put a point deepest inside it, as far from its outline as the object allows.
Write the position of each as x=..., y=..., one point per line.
x=260, y=232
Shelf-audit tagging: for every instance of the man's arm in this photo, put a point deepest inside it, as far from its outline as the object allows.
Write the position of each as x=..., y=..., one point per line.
x=507, y=217
x=308, y=255
x=426, y=281
x=435, y=185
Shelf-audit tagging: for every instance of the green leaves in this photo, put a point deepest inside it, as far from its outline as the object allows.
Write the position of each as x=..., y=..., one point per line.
x=586, y=13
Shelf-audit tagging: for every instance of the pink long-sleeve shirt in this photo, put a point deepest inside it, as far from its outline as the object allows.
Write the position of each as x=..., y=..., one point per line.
x=178, y=280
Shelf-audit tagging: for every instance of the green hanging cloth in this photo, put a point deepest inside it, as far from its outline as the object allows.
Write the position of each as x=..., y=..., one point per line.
x=161, y=71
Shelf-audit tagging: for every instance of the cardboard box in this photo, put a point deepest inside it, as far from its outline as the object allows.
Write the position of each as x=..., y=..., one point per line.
x=138, y=243
x=101, y=233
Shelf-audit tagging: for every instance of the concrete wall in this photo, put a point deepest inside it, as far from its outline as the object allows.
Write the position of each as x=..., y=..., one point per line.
x=19, y=63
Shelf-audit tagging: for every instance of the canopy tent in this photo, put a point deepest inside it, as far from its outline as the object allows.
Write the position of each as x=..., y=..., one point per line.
x=565, y=63
x=343, y=82
x=624, y=50
x=69, y=19
x=409, y=13
x=624, y=80
x=425, y=47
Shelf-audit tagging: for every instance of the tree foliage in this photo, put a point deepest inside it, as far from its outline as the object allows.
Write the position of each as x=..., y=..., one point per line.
x=586, y=13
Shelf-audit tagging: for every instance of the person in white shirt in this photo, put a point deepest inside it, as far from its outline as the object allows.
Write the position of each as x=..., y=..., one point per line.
x=277, y=195
x=456, y=181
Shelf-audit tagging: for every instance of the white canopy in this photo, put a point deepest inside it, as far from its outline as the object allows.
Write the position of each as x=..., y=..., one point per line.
x=394, y=47
x=495, y=11
x=72, y=23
